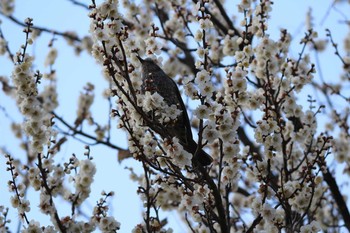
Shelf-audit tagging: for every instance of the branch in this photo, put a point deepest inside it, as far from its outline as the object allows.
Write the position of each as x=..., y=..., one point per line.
x=42, y=29
x=254, y=224
x=79, y=132
x=217, y=196
x=338, y=197
x=7, y=47
x=227, y=19
x=79, y=4
x=48, y=191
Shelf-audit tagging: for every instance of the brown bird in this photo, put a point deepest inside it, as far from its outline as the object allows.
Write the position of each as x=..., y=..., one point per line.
x=154, y=79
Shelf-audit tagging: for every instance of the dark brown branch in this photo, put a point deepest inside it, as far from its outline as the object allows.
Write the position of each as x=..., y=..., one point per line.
x=254, y=224
x=217, y=196
x=42, y=29
x=338, y=197
x=49, y=192
x=79, y=4
x=79, y=132
x=246, y=141
x=226, y=17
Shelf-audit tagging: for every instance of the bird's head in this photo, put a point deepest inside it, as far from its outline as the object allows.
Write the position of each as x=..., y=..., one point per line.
x=148, y=65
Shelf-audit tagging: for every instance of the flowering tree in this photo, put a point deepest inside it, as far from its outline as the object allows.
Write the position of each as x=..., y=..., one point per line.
x=274, y=156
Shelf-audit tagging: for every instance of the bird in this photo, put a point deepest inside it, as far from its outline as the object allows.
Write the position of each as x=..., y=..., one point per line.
x=154, y=79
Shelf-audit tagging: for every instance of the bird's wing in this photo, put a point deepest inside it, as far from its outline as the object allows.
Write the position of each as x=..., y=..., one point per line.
x=186, y=119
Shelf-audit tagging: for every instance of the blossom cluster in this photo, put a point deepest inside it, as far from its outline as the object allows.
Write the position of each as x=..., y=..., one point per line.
x=223, y=101
x=7, y=7
x=49, y=180
x=160, y=109
x=85, y=102
x=3, y=45
x=38, y=123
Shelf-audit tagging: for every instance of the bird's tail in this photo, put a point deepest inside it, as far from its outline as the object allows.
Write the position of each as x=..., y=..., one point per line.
x=202, y=157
